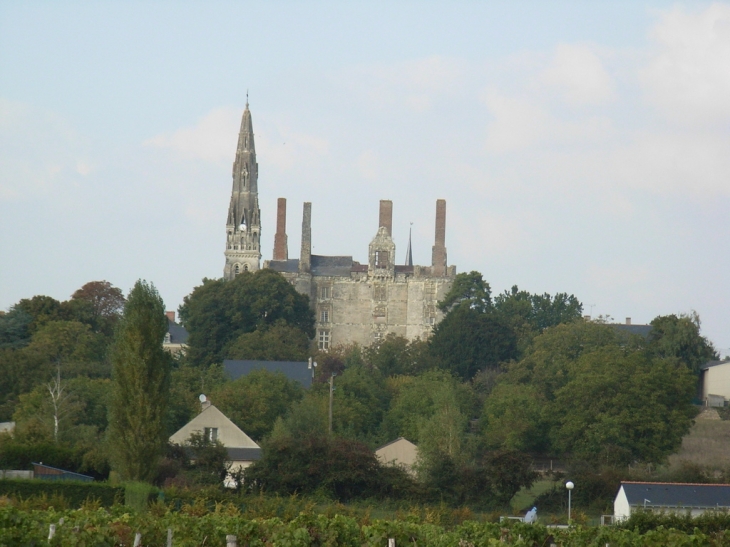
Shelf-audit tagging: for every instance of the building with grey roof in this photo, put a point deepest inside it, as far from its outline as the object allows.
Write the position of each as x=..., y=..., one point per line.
x=680, y=498
x=299, y=371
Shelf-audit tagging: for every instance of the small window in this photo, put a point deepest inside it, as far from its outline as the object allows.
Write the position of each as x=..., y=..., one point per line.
x=324, y=292
x=211, y=434
x=168, y=338
x=381, y=259
x=379, y=293
x=236, y=268
x=245, y=267
x=324, y=316
x=323, y=341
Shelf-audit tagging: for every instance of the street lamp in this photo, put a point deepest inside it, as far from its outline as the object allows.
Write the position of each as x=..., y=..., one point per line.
x=569, y=485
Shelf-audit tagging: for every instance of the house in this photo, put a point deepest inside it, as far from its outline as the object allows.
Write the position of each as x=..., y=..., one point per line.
x=715, y=383
x=216, y=426
x=680, y=498
x=400, y=452
x=299, y=371
x=7, y=427
x=176, y=337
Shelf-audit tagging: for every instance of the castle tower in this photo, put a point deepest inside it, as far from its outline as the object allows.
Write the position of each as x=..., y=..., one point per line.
x=243, y=227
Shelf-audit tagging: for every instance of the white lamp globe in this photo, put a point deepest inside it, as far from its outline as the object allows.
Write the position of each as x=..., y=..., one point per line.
x=569, y=485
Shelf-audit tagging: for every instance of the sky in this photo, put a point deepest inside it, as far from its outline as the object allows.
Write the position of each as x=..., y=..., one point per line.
x=581, y=147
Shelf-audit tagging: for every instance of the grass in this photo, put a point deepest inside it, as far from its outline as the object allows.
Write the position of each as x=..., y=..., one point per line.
x=526, y=496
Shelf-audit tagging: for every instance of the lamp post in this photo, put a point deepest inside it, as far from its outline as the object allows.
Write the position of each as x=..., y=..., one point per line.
x=569, y=485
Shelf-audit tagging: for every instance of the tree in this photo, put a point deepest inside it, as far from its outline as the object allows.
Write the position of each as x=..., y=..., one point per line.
x=679, y=337
x=279, y=342
x=254, y=402
x=512, y=419
x=41, y=309
x=467, y=341
x=141, y=384
x=104, y=302
x=14, y=328
x=218, y=312
x=470, y=289
x=359, y=404
x=619, y=407
x=341, y=468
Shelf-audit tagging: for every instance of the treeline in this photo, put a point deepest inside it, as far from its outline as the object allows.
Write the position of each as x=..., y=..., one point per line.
x=501, y=379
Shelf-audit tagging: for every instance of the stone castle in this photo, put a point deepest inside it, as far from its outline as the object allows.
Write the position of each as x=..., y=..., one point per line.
x=353, y=302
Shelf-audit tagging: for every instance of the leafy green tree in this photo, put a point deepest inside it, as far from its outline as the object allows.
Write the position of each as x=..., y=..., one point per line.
x=254, y=402
x=620, y=407
x=341, y=468
x=279, y=342
x=307, y=417
x=470, y=289
x=41, y=309
x=467, y=341
x=360, y=401
x=512, y=419
x=74, y=344
x=218, y=312
x=15, y=328
x=186, y=385
x=540, y=311
x=419, y=399
x=141, y=384
x=679, y=337
x=396, y=355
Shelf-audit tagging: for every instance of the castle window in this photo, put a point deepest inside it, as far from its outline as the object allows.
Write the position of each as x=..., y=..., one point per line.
x=210, y=434
x=324, y=316
x=236, y=269
x=323, y=341
x=245, y=267
x=381, y=259
x=324, y=292
x=379, y=293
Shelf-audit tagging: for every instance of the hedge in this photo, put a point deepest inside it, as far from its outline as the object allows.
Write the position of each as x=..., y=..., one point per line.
x=75, y=493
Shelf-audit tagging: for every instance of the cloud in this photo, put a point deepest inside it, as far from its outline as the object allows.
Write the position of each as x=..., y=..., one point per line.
x=522, y=122
x=412, y=84
x=212, y=139
x=40, y=153
x=578, y=75
x=688, y=75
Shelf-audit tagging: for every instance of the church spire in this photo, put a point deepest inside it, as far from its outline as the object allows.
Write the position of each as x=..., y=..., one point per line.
x=409, y=250
x=243, y=228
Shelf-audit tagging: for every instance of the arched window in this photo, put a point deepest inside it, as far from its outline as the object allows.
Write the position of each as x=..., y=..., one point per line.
x=245, y=267
x=236, y=269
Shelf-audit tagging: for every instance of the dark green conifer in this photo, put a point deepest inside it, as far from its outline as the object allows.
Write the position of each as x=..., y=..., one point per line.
x=141, y=385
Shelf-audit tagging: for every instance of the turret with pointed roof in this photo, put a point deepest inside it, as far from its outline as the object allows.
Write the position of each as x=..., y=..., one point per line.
x=243, y=227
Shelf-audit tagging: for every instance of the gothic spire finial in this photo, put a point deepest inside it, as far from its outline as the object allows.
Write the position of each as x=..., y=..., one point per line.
x=409, y=251
x=247, y=98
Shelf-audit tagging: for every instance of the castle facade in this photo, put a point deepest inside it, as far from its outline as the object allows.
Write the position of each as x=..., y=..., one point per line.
x=354, y=302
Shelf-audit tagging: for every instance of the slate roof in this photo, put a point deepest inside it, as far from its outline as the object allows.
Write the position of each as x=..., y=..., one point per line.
x=711, y=364
x=337, y=266
x=285, y=266
x=294, y=370
x=677, y=494
x=244, y=454
x=641, y=330
x=178, y=334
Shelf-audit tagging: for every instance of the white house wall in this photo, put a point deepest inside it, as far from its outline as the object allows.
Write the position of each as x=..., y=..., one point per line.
x=621, y=507
x=717, y=381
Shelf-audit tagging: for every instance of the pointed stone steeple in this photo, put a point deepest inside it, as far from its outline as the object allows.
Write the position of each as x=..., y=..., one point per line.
x=243, y=227
x=409, y=250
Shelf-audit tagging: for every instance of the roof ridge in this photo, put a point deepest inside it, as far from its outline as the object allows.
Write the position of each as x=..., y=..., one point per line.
x=679, y=483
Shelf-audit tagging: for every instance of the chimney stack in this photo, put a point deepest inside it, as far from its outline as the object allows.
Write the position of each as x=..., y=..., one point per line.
x=170, y=316
x=281, y=250
x=628, y=320
x=438, y=256
x=386, y=215
x=305, y=259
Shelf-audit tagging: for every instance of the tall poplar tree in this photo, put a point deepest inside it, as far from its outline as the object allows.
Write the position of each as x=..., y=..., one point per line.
x=141, y=385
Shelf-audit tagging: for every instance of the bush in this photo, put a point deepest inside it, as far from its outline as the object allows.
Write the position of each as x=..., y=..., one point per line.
x=75, y=493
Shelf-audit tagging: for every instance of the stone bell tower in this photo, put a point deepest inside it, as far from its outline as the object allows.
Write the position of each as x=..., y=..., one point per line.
x=243, y=227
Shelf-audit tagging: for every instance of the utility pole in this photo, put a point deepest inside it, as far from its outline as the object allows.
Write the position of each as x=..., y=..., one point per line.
x=332, y=389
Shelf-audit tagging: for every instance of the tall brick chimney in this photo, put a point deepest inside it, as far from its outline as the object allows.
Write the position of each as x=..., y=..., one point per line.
x=305, y=258
x=281, y=250
x=386, y=215
x=438, y=257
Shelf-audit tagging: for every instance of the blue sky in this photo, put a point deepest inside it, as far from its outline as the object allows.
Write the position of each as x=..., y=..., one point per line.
x=581, y=146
